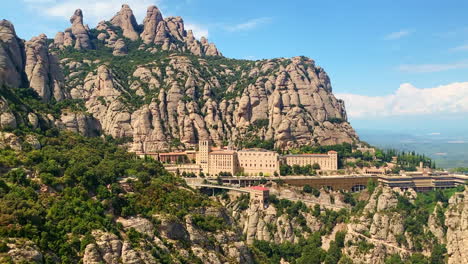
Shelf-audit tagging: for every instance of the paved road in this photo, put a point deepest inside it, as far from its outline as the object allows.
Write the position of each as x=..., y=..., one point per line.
x=378, y=241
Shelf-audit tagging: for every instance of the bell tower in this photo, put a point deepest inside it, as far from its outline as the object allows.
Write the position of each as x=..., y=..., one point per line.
x=203, y=155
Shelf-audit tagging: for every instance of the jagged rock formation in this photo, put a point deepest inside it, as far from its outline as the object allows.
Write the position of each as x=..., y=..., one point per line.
x=76, y=36
x=259, y=223
x=108, y=248
x=457, y=228
x=12, y=57
x=150, y=24
x=127, y=22
x=43, y=70
x=7, y=118
x=379, y=225
x=294, y=99
x=79, y=31
x=24, y=251
x=173, y=96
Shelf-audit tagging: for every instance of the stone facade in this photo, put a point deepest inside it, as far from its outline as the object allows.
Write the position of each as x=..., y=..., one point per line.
x=223, y=161
x=256, y=161
x=327, y=162
x=249, y=161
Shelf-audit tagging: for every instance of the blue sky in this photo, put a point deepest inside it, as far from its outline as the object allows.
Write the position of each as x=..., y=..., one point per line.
x=396, y=63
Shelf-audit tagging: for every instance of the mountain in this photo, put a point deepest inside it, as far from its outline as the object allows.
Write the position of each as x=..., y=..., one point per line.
x=159, y=86
x=65, y=198
x=69, y=196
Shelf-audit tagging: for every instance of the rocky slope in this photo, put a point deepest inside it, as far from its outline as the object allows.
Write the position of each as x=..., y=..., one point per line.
x=159, y=85
x=164, y=221
x=457, y=228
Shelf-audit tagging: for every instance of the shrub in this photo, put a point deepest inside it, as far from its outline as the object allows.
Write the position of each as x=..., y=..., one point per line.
x=208, y=222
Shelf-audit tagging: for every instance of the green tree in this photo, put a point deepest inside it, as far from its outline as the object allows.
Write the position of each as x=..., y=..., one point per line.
x=393, y=259
x=438, y=254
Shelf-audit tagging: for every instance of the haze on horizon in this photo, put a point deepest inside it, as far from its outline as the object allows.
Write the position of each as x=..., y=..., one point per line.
x=399, y=66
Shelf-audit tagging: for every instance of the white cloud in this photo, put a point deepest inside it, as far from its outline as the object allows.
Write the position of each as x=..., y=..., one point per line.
x=409, y=101
x=398, y=35
x=198, y=30
x=250, y=24
x=426, y=68
x=460, y=48
x=93, y=10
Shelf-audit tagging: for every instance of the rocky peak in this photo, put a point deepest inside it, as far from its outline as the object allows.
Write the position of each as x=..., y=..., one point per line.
x=77, y=18
x=168, y=34
x=176, y=27
x=11, y=55
x=150, y=24
x=127, y=22
x=43, y=70
x=78, y=32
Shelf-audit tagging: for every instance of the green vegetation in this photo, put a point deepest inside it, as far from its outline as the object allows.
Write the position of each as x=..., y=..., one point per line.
x=336, y=120
x=208, y=222
x=416, y=215
x=82, y=176
x=308, y=170
x=311, y=190
x=250, y=141
x=307, y=251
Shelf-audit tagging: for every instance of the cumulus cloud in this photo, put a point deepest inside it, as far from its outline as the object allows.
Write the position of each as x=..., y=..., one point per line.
x=398, y=35
x=250, y=24
x=427, y=68
x=409, y=101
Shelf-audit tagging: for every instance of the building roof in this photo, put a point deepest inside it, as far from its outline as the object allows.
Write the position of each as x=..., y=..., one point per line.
x=226, y=152
x=259, y=188
x=306, y=155
x=255, y=150
x=172, y=153
x=332, y=152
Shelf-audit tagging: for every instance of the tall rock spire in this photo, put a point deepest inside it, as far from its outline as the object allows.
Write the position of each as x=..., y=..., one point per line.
x=43, y=70
x=150, y=24
x=127, y=22
x=79, y=31
x=12, y=55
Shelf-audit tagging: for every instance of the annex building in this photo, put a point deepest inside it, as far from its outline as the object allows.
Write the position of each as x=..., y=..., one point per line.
x=327, y=162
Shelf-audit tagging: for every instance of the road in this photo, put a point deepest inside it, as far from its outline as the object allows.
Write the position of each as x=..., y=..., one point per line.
x=378, y=241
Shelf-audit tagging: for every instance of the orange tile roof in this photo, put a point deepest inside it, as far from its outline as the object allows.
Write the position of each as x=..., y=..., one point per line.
x=259, y=188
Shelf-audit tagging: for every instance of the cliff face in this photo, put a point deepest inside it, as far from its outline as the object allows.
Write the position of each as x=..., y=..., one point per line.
x=161, y=86
x=12, y=57
x=295, y=100
x=456, y=220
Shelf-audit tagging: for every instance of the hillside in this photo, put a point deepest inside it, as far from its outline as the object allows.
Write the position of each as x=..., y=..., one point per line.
x=72, y=107
x=157, y=85
x=65, y=198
